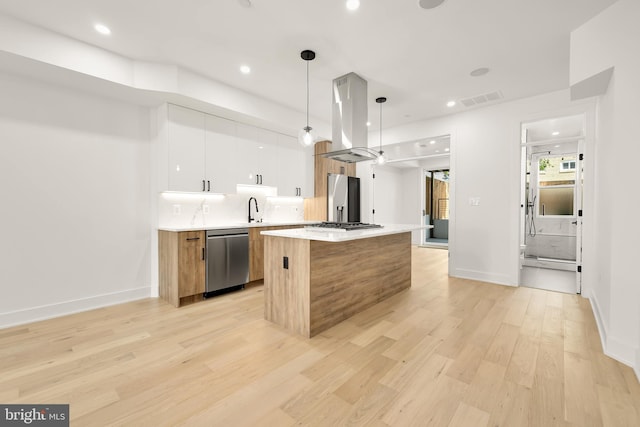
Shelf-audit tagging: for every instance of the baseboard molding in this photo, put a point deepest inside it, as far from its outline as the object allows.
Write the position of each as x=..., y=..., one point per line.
x=636, y=368
x=613, y=347
x=34, y=314
x=482, y=276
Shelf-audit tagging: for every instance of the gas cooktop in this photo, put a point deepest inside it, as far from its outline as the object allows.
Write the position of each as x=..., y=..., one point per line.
x=342, y=226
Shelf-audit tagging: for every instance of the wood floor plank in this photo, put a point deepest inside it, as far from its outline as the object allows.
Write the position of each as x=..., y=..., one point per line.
x=522, y=365
x=466, y=416
x=580, y=394
x=364, y=379
x=447, y=352
x=502, y=345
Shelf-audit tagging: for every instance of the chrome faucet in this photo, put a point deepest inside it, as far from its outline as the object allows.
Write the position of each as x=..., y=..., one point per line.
x=254, y=199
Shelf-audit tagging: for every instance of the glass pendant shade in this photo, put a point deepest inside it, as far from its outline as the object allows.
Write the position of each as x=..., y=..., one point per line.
x=306, y=136
x=381, y=159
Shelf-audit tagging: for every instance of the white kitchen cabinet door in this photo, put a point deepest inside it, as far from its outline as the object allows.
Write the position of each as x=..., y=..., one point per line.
x=221, y=155
x=257, y=155
x=268, y=157
x=290, y=166
x=247, y=147
x=293, y=170
x=186, y=135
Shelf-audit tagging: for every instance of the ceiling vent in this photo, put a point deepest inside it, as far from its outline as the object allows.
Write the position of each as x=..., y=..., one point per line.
x=482, y=99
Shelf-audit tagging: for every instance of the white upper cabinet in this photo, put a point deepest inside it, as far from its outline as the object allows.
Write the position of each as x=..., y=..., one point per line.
x=257, y=155
x=186, y=142
x=292, y=167
x=221, y=154
x=212, y=154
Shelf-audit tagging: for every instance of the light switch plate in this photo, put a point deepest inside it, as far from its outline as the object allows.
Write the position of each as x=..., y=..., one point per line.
x=205, y=209
x=474, y=201
x=176, y=209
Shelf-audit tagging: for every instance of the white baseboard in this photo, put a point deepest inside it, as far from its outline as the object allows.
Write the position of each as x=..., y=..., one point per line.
x=500, y=279
x=44, y=312
x=613, y=347
x=636, y=368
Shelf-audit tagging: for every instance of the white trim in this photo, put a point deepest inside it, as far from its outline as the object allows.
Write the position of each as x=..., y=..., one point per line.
x=45, y=312
x=636, y=368
x=613, y=347
x=493, y=278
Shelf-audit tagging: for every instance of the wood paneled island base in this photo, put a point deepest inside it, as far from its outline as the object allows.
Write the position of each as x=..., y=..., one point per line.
x=328, y=282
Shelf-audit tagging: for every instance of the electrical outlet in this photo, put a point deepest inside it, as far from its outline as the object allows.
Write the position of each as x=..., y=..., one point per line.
x=474, y=201
x=205, y=209
x=176, y=209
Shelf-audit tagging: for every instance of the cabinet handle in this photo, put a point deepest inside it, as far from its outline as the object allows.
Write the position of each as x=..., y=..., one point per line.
x=260, y=179
x=203, y=254
x=208, y=185
x=189, y=239
x=257, y=179
x=203, y=185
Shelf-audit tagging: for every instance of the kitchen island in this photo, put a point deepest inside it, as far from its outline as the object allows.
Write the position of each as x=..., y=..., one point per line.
x=316, y=279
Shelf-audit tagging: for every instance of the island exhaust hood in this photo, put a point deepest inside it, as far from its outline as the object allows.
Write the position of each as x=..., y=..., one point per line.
x=349, y=120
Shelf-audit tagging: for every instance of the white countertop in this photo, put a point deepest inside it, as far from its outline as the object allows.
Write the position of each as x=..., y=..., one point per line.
x=235, y=225
x=344, y=236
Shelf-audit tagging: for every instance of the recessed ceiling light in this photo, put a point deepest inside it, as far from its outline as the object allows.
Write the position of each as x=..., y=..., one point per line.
x=446, y=149
x=479, y=72
x=556, y=146
x=432, y=142
x=102, y=29
x=429, y=4
x=555, y=133
x=245, y=69
x=437, y=151
x=451, y=104
x=353, y=4
x=368, y=123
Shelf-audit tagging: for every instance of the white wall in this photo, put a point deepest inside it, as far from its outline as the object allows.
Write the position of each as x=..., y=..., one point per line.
x=384, y=193
x=611, y=40
x=75, y=201
x=485, y=163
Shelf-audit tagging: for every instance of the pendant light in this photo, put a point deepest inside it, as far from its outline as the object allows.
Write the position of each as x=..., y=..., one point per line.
x=381, y=160
x=306, y=136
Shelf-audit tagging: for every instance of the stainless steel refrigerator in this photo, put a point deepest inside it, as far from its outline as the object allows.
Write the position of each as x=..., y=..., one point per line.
x=343, y=201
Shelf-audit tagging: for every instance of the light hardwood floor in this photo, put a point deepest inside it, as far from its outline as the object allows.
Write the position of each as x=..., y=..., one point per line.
x=447, y=352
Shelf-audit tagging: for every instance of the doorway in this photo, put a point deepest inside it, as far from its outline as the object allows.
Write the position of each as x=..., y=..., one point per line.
x=436, y=207
x=551, y=223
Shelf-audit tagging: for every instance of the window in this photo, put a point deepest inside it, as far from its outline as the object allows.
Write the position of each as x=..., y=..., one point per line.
x=556, y=187
x=568, y=166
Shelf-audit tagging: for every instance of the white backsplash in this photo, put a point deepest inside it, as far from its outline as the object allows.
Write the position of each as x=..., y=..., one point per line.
x=208, y=210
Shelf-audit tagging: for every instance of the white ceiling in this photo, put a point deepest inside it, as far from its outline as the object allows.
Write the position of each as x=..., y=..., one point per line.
x=419, y=59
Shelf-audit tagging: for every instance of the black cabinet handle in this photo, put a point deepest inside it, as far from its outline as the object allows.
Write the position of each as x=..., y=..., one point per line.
x=257, y=179
x=208, y=185
x=189, y=239
x=203, y=185
x=203, y=254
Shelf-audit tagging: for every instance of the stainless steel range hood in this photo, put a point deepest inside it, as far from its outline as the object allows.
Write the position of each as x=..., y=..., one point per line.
x=349, y=120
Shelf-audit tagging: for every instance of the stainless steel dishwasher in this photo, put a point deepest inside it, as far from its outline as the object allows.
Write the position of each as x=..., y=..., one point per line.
x=227, y=259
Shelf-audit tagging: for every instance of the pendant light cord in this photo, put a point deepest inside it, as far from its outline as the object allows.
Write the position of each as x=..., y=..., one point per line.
x=380, y=147
x=307, y=94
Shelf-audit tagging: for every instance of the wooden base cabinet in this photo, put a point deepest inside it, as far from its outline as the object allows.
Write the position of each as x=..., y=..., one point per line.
x=256, y=250
x=182, y=266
